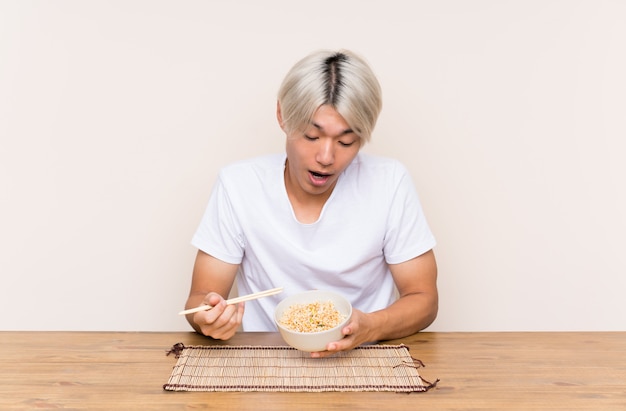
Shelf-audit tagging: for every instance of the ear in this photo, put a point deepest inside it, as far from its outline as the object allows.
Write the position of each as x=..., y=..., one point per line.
x=279, y=115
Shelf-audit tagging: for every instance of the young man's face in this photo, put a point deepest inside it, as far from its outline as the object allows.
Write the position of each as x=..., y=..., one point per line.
x=317, y=156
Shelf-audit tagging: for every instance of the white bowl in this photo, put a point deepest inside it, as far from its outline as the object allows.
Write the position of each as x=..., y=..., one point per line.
x=313, y=341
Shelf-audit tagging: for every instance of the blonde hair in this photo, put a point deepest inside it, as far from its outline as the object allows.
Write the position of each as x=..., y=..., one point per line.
x=340, y=79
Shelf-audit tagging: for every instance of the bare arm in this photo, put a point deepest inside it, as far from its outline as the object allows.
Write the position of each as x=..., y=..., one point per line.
x=211, y=283
x=418, y=304
x=415, y=310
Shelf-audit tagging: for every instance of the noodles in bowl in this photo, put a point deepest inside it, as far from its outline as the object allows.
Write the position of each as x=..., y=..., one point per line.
x=310, y=320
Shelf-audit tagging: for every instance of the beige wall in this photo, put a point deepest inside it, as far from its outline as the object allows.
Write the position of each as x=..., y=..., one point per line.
x=116, y=116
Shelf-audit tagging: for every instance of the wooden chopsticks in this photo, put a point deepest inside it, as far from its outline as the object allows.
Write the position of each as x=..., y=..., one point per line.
x=235, y=300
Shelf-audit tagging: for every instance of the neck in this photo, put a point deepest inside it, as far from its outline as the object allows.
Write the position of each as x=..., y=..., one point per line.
x=306, y=206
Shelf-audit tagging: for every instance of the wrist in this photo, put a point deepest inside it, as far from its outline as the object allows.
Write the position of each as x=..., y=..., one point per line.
x=376, y=325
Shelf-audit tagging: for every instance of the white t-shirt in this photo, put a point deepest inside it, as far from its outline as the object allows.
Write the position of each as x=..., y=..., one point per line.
x=373, y=217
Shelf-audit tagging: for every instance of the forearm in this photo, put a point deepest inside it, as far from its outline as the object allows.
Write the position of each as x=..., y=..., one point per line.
x=211, y=283
x=417, y=306
x=194, y=300
x=408, y=315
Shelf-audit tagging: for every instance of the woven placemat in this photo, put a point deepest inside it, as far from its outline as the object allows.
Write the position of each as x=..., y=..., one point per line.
x=285, y=369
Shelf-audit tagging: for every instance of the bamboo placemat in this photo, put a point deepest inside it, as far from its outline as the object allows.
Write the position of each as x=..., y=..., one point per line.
x=285, y=369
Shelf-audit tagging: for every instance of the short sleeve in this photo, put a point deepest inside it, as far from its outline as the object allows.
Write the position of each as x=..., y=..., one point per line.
x=408, y=234
x=219, y=233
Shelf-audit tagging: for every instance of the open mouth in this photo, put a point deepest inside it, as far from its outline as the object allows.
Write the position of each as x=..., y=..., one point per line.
x=319, y=178
x=319, y=175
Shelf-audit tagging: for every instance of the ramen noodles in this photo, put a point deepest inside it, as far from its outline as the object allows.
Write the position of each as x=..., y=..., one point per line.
x=310, y=318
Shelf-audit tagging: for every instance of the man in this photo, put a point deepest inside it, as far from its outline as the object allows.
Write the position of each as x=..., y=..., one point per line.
x=322, y=215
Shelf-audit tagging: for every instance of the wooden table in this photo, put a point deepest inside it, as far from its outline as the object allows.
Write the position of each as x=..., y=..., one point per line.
x=477, y=371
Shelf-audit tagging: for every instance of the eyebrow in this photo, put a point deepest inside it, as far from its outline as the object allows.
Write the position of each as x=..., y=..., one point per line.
x=343, y=133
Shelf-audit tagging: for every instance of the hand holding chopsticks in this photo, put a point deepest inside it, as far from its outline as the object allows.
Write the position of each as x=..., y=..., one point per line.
x=235, y=300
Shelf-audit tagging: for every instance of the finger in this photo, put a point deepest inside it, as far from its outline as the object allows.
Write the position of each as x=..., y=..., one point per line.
x=241, y=308
x=324, y=354
x=332, y=348
x=227, y=317
x=221, y=322
x=213, y=299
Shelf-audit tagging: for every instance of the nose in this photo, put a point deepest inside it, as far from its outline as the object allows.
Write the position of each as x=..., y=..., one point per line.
x=326, y=152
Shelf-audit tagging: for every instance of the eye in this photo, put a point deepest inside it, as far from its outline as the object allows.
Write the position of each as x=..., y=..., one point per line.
x=346, y=143
x=310, y=138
